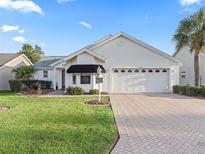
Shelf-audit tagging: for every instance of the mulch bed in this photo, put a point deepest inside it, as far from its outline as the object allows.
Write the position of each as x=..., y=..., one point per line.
x=35, y=92
x=3, y=109
x=96, y=102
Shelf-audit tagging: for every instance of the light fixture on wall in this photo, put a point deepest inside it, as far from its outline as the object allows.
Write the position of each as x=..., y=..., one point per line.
x=183, y=74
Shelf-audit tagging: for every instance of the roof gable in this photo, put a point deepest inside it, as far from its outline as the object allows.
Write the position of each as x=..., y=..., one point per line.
x=109, y=38
x=7, y=57
x=121, y=34
x=78, y=53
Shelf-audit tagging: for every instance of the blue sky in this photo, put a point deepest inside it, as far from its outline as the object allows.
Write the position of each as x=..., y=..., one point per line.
x=64, y=26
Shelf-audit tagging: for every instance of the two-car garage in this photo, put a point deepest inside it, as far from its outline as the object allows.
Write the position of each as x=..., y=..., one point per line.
x=140, y=80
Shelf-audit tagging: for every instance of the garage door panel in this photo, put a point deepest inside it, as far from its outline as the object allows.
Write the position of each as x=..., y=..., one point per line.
x=140, y=82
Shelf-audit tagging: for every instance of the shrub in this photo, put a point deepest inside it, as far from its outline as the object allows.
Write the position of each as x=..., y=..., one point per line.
x=182, y=90
x=31, y=84
x=203, y=91
x=202, y=86
x=94, y=91
x=74, y=91
x=24, y=72
x=15, y=85
x=45, y=84
x=176, y=89
x=35, y=84
x=193, y=91
x=189, y=90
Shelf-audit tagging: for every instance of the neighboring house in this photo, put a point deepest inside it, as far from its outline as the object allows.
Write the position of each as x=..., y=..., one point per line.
x=8, y=62
x=187, y=75
x=129, y=66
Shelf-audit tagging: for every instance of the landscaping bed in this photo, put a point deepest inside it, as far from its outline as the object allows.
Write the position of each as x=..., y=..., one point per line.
x=55, y=125
x=190, y=91
x=105, y=102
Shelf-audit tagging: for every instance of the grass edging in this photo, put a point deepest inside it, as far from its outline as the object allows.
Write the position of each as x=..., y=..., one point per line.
x=118, y=134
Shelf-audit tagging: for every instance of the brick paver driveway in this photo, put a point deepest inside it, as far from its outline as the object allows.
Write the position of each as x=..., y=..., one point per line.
x=159, y=124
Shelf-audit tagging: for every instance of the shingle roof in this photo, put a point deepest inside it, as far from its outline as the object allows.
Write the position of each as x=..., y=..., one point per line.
x=6, y=57
x=47, y=61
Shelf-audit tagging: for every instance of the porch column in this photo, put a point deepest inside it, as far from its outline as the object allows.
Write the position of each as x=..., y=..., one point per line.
x=54, y=79
x=66, y=79
x=93, y=81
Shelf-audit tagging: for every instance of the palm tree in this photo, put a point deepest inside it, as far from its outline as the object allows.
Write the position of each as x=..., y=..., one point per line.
x=191, y=33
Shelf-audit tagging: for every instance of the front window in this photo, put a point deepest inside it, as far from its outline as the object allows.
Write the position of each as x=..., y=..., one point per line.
x=85, y=79
x=45, y=74
x=74, y=79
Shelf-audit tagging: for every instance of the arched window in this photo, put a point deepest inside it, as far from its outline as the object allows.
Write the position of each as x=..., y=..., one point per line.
x=123, y=71
x=157, y=71
x=129, y=71
x=136, y=71
x=150, y=71
x=164, y=71
x=143, y=71
x=116, y=71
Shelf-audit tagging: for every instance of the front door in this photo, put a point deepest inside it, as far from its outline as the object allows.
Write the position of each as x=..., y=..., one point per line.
x=63, y=79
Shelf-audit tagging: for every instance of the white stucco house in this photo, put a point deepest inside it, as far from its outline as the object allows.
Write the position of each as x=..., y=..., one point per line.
x=129, y=66
x=187, y=76
x=8, y=62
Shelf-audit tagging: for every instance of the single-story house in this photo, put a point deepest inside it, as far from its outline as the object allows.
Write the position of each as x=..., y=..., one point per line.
x=187, y=75
x=8, y=62
x=128, y=66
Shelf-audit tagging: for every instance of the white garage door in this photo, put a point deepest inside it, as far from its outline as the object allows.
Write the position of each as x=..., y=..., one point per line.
x=140, y=80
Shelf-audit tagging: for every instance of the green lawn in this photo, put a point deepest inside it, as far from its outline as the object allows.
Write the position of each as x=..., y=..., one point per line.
x=54, y=126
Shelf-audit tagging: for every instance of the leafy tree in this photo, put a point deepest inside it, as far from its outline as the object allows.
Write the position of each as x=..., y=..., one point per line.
x=33, y=53
x=191, y=33
x=24, y=72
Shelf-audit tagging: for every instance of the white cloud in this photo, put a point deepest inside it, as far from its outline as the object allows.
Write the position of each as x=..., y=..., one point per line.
x=21, y=31
x=20, y=39
x=189, y=2
x=21, y=5
x=64, y=1
x=85, y=24
x=8, y=28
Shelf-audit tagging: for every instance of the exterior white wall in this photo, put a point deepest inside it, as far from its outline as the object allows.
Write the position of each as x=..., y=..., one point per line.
x=86, y=87
x=202, y=61
x=85, y=58
x=58, y=76
x=6, y=71
x=39, y=75
x=187, y=59
x=121, y=53
x=6, y=75
x=124, y=53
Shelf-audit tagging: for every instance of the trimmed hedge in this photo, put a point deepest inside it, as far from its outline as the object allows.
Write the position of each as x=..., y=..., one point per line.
x=189, y=90
x=35, y=84
x=74, y=91
x=176, y=89
x=15, y=85
x=94, y=91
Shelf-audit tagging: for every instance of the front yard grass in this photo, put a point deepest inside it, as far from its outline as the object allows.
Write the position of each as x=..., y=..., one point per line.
x=54, y=125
